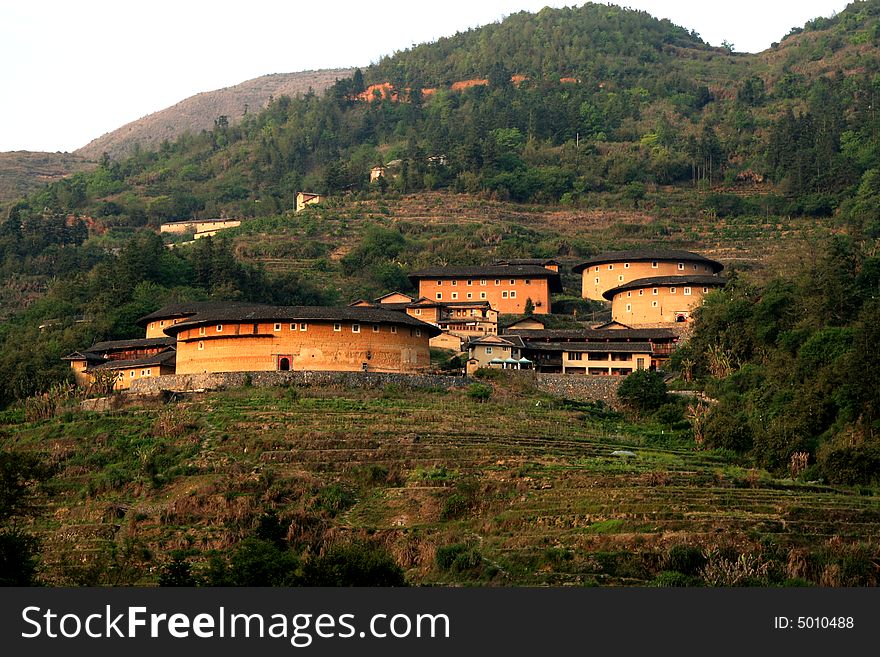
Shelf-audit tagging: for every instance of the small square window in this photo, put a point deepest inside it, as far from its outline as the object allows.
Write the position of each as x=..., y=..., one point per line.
x=470, y=282
x=439, y=295
x=439, y=283
x=162, y=323
x=504, y=294
x=455, y=295
x=337, y=327
x=653, y=304
x=681, y=265
x=597, y=267
x=394, y=329
x=201, y=330
x=131, y=374
x=482, y=295
x=293, y=327
x=497, y=281
x=454, y=283
x=528, y=281
x=512, y=282
x=483, y=281
x=687, y=291
x=610, y=267
x=626, y=265
x=201, y=345
x=355, y=328
x=654, y=264
x=654, y=291
x=629, y=307
x=672, y=290
x=418, y=311
x=418, y=333
x=488, y=350
x=641, y=292
x=375, y=328
x=470, y=296
x=303, y=327
x=629, y=294
x=219, y=328
x=695, y=268
x=277, y=327
x=513, y=294
x=620, y=278
x=597, y=281
x=705, y=290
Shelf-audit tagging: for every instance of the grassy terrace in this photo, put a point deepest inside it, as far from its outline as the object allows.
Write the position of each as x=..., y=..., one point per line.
x=522, y=489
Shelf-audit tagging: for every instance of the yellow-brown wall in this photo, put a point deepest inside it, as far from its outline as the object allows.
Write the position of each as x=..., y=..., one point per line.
x=614, y=274
x=657, y=304
x=156, y=328
x=179, y=228
x=238, y=349
x=486, y=289
x=604, y=362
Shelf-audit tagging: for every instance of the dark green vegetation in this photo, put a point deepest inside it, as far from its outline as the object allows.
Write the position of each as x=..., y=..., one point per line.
x=294, y=485
x=770, y=163
x=794, y=366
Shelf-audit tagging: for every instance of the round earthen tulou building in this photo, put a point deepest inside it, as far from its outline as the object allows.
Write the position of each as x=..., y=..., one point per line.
x=649, y=287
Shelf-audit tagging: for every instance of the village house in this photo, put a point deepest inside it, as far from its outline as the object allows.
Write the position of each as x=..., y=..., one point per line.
x=610, y=270
x=198, y=229
x=507, y=288
x=305, y=198
x=128, y=359
x=233, y=337
x=458, y=321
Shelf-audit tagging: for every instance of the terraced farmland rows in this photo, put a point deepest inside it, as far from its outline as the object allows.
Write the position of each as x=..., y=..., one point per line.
x=549, y=502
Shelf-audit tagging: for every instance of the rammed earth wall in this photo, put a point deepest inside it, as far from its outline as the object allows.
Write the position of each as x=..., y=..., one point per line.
x=570, y=386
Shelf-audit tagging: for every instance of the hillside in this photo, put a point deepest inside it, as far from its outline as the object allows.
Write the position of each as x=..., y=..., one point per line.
x=199, y=112
x=24, y=172
x=541, y=499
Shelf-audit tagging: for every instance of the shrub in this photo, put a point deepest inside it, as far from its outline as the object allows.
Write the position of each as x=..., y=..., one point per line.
x=479, y=392
x=360, y=563
x=643, y=391
x=458, y=558
x=685, y=559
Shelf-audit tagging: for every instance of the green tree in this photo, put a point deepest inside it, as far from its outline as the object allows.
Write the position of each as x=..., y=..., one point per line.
x=643, y=391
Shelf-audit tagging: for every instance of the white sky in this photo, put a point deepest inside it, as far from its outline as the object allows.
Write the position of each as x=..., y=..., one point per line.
x=71, y=70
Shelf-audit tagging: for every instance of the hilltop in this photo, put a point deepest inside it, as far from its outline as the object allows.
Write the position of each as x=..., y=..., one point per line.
x=24, y=172
x=199, y=112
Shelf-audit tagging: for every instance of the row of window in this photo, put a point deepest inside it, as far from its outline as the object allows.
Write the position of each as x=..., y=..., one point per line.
x=654, y=265
x=146, y=372
x=504, y=295
x=484, y=282
x=355, y=328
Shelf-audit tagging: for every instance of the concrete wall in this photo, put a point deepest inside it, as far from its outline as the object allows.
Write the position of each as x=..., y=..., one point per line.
x=597, y=279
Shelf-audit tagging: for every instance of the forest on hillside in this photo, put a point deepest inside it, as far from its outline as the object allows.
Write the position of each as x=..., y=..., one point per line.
x=651, y=108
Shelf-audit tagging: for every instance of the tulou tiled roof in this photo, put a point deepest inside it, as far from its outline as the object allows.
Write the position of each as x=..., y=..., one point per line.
x=490, y=271
x=367, y=315
x=655, y=281
x=645, y=255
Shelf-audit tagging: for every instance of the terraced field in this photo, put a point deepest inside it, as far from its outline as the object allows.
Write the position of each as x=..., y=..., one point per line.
x=523, y=489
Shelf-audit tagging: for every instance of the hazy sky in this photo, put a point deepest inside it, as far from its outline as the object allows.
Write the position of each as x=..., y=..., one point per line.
x=74, y=69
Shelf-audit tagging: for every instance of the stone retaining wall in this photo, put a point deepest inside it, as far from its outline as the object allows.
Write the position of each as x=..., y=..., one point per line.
x=571, y=386
x=222, y=380
x=581, y=387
